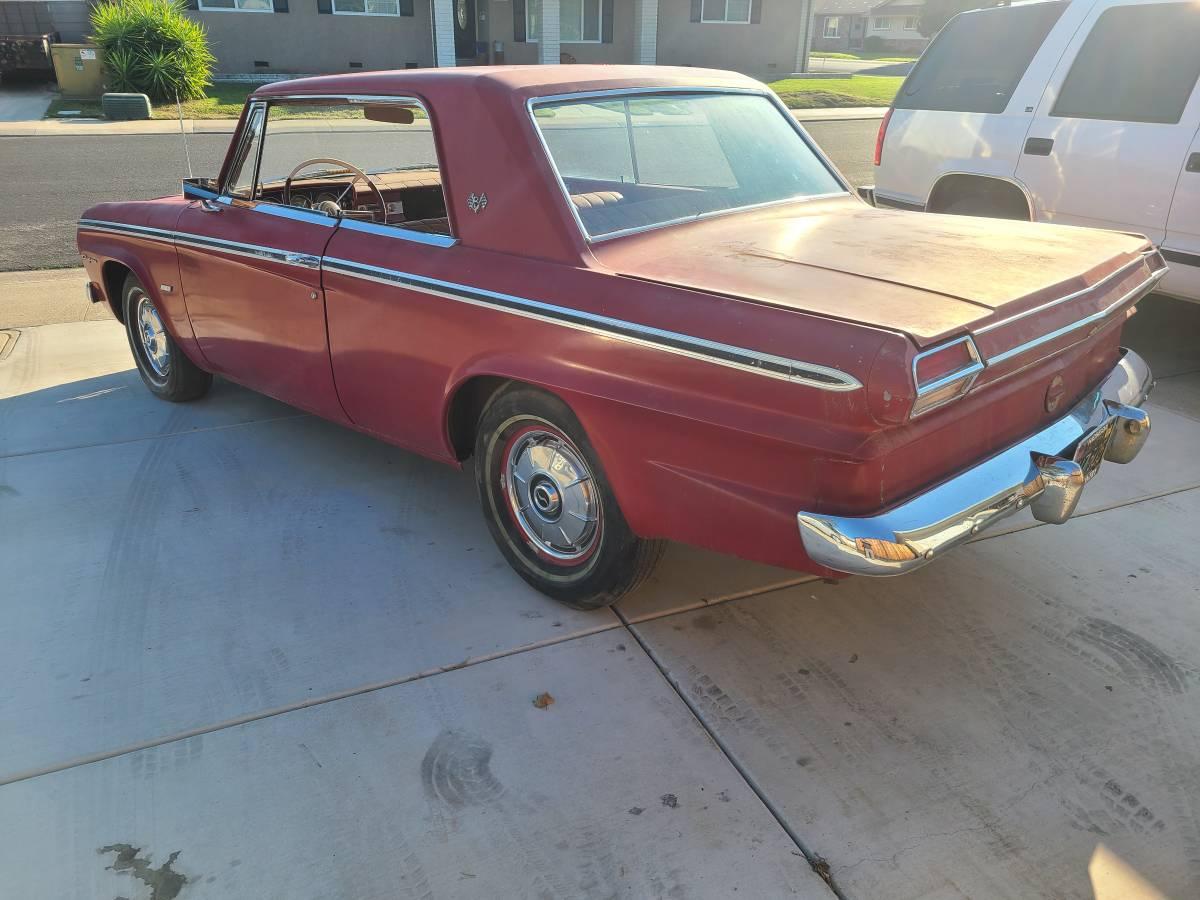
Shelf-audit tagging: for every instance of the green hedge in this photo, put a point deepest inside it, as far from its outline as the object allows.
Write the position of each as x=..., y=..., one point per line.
x=151, y=47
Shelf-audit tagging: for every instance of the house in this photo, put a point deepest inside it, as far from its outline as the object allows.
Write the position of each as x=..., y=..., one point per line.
x=844, y=25
x=763, y=38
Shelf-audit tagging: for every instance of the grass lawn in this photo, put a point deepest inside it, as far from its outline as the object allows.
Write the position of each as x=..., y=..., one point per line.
x=857, y=90
x=861, y=54
x=223, y=100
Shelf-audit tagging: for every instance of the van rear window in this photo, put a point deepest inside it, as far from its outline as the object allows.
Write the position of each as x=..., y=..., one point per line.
x=976, y=61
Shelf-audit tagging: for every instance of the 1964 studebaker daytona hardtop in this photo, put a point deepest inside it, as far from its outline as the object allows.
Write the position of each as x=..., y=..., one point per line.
x=649, y=308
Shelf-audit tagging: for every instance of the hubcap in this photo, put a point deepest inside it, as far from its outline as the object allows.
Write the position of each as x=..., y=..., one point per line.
x=154, y=337
x=552, y=494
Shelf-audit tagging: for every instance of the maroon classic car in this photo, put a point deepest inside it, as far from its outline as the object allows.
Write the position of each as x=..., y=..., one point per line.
x=648, y=306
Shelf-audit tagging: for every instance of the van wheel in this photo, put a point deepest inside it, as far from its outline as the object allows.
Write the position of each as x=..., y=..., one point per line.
x=548, y=504
x=163, y=367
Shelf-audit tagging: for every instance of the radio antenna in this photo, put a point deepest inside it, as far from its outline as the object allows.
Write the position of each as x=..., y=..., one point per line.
x=187, y=152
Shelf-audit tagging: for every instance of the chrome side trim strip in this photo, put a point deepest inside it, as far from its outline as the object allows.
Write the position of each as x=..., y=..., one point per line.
x=795, y=371
x=1069, y=297
x=179, y=238
x=143, y=231
x=397, y=231
x=1054, y=335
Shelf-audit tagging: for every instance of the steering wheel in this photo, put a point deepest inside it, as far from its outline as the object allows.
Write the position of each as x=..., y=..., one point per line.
x=358, y=174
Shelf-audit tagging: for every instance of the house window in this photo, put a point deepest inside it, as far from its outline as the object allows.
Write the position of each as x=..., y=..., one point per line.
x=882, y=23
x=831, y=27
x=733, y=12
x=910, y=23
x=579, y=21
x=264, y=6
x=366, y=7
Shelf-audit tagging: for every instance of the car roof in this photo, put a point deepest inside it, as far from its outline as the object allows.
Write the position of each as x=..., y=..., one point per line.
x=525, y=81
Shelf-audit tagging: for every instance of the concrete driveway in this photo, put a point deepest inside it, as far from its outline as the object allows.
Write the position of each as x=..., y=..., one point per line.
x=249, y=654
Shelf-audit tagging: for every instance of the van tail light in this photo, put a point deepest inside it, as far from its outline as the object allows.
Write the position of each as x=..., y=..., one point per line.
x=945, y=373
x=882, y=133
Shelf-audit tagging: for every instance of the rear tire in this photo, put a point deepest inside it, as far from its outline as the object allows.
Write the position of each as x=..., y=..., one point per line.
x=163, y=367
x=549, y=506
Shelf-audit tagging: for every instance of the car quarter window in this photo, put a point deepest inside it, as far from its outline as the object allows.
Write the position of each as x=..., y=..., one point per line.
x=1138, y=64
x=370, y=161
x=648, y=160
x=976, y=61
x=240, y=182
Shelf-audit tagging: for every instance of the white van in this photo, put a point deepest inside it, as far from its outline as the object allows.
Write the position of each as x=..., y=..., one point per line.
x=1082, y=112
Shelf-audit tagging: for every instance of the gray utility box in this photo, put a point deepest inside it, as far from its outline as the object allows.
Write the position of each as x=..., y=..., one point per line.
x=125, y=106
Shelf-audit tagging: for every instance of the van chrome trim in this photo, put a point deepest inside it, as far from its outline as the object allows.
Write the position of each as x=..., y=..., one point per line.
x=1143, y=288
x=759, y=363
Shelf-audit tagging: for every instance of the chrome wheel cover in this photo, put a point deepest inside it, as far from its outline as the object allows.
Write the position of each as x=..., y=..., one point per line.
x=153, y=336
x=552, y=495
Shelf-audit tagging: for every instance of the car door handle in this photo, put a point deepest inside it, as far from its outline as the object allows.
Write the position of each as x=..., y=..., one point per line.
x=302, y=259
x=1193, y=163
x=1039, y=146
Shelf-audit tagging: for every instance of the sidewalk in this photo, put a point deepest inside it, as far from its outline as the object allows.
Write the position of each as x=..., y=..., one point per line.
x=45, y=297
x=77, y=127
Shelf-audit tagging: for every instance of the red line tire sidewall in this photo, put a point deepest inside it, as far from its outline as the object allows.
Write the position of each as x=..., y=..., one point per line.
x=608, y=569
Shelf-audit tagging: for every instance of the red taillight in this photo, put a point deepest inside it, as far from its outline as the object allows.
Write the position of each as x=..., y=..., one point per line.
x=887, y=117
x=940, y=363
x=945, y=373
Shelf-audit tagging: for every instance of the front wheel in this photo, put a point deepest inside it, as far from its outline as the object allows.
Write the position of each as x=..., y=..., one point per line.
x=549, y=506
x=163, y=367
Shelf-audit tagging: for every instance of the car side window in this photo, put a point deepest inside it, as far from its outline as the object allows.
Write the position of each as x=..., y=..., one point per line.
x=1138, y=64
x=369, y=161
x=241, y=173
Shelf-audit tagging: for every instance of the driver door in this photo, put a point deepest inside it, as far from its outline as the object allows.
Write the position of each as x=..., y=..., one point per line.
x=250, y=270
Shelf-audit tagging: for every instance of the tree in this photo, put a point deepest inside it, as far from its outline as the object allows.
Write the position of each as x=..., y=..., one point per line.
x=938, y=12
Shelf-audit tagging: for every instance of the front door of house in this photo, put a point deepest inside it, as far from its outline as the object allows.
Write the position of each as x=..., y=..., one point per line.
x=464, y=29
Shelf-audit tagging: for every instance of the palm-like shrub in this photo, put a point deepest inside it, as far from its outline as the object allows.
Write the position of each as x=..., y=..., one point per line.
x=151, y=47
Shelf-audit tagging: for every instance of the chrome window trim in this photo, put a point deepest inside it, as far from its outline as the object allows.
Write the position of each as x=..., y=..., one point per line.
x=1111, y=276
x=794, y=371
x=256, y=108
x=769, y=95
x=1141, y=289
x=195, y=192
x=398, y=231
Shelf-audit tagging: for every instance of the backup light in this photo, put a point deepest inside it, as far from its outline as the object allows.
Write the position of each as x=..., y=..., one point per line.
x=945, y=373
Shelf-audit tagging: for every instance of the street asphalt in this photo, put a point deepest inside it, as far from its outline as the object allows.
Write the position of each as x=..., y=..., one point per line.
x=50, y=181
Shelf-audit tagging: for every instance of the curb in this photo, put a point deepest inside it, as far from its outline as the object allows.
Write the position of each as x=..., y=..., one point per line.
x=840, y=114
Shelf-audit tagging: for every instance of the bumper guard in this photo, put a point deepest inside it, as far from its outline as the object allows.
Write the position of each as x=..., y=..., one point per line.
x=1046, y=472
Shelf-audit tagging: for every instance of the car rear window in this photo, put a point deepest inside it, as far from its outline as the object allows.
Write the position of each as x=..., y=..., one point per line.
x=975, y=62
x=1139, y=64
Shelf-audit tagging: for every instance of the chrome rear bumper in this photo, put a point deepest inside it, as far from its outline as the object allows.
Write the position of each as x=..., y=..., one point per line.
x=1046, y=471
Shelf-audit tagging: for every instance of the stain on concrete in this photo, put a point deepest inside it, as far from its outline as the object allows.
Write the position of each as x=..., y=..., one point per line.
x=164, y=882
x=670, y=801
x=456, y=770
x=705, y=623
x=7, y=490
x=1137, y=658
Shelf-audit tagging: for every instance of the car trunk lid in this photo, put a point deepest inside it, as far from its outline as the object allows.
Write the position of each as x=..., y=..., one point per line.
x=928, y=276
